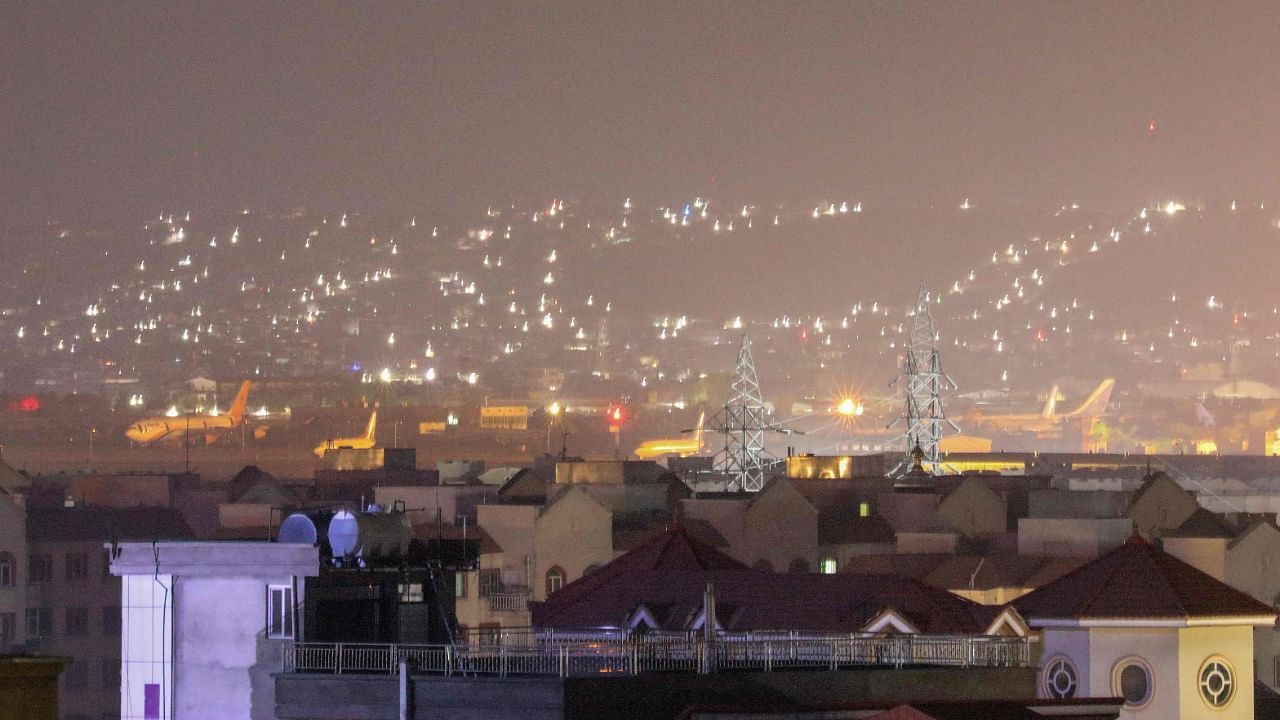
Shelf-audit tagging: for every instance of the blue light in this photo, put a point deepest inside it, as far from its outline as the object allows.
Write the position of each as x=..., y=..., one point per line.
x=356, y=367
x=688, y=211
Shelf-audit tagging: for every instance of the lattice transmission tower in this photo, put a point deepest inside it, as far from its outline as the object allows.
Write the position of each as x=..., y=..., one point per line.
x=924, y=382
x=744, y=422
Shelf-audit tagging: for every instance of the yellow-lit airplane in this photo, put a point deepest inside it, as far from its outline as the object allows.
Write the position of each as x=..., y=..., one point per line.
x=155, y=429
x=1095, y=406
x=363, y=442
x=682, y=447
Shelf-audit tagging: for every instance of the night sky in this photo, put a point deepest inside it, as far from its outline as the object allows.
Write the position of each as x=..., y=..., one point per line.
x=114, y=111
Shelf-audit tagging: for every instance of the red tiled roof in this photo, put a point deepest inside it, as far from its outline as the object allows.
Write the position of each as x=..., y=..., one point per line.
x=1137, y=581
x=673, y=569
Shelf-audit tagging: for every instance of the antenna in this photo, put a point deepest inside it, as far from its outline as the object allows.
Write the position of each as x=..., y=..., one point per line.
x=924, y=382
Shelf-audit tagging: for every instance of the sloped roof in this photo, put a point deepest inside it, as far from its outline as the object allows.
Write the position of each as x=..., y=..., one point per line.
x=984, y=572
x=674, y=569
x=11, y=480
x=989, y=710
x=80, y=524
x=1140, y=582
x=1203, y=524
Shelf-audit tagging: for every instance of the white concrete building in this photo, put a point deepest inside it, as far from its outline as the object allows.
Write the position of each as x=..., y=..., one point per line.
x=204, y=625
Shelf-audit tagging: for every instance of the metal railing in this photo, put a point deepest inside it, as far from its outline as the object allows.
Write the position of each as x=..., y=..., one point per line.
x=509, y=601
x=610, y=654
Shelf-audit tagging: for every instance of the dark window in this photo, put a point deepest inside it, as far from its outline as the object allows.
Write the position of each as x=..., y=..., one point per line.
x=280, y=611
x=490, y=582
x=1135, y=684
x=555, y=579
x=77, y=621
x=77, y=566
x=8, y=570
x=111, y=674
x=39, y=622
x=111, y=620
x=799, y=565
x=40, y=569
x=8, y=630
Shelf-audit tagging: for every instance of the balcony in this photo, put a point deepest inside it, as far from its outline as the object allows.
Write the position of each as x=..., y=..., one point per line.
x=610, y=654
x=509, y=601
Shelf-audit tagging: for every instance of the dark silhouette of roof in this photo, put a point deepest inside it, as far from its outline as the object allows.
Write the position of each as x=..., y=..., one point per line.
x=668, y=576
x=1203, y=524
x=1137, y=581
x=83, y=523
x=839, y=528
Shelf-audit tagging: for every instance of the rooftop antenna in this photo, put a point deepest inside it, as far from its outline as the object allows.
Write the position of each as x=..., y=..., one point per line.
x=924, y=382
x=743, y=422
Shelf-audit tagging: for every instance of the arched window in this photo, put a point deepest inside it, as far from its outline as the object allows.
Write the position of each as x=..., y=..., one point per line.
x=8, y=570
x=555, y=579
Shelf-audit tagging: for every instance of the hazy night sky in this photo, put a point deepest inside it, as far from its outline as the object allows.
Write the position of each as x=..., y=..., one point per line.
x=114, y=111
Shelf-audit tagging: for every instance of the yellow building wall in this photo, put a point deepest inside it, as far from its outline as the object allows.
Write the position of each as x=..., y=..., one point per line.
x=1197, y=644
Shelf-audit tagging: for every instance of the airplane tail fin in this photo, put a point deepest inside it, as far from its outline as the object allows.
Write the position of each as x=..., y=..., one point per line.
x=373, y=425
x=1051, y=403
x=237, y=408
x=697, y=431
x=1096, y=404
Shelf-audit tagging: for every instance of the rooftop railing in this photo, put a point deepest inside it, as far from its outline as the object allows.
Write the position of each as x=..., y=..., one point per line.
x=638, y=654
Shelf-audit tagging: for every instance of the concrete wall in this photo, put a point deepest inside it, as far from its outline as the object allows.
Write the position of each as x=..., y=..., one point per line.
x=1081, y=537
x=647, y=697
x=1159, y=648
x=376, y=697
x=974, y=510
x=1232, y=644
x=511, y=526
x=220, y=626
x=1077, y=504
x=574, y=533
x=1208, y=555
x=781, y=528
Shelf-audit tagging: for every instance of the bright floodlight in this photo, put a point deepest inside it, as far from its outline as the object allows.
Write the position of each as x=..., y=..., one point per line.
x=849, y=407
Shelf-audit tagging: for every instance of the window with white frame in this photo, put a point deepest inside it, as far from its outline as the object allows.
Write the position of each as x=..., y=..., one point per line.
x=280, y=611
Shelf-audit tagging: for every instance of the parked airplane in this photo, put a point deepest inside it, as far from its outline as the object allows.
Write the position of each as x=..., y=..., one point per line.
x=682, y=447
x=1048, y=419
x=154, y=429
x=363, y=442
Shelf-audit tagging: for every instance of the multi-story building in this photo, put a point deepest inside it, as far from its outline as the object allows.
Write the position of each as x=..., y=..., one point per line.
x=73, y=601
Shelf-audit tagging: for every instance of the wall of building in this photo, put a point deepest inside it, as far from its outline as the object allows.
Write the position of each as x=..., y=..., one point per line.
x=1232, y=644
x=13, y=543
x=220, y=642
x=1158, y=647
x=1208, y=555
x=573, y=534
x=1080, y=537
x=1073, y=644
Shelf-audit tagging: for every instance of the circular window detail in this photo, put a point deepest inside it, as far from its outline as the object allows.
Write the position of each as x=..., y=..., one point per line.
x=1131, y=679
x=1217, y=682
x=1060, y=679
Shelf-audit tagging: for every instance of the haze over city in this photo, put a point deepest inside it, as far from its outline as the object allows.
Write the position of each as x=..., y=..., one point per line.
x=652, y=360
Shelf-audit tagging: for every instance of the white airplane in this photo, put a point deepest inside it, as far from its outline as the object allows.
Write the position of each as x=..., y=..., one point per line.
x=363, y=442
x=155, y=429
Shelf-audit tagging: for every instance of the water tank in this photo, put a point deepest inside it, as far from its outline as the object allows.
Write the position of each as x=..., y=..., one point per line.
x=369, y=535
x=298, y=528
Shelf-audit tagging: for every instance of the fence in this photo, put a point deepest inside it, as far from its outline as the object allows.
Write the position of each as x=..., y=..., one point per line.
x=608, y=653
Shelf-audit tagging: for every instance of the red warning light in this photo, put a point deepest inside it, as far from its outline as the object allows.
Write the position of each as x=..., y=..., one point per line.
x=27, y=404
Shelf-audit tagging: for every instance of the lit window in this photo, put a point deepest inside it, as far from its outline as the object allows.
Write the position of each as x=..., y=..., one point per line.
x=1060, y=679
x=864, y=509
x=827, y=566
x=555, y=579
x=1216, y=682
x=460, y=585
x=411, y=593
x=280, y=611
